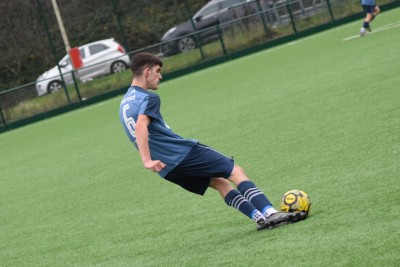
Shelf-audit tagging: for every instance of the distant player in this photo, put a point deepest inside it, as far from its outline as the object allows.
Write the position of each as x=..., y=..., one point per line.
x=186, y=162
x=371, y=10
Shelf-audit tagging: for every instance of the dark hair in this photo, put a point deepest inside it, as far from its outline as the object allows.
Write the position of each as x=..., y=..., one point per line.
x=144, y=60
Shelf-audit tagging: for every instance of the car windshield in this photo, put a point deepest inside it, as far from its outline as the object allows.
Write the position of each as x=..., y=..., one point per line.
x=67, y=61
x=229, y=3
x=207, y=10
x=210, y=9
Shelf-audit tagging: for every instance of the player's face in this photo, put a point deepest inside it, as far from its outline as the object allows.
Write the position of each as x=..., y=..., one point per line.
x=154, y=77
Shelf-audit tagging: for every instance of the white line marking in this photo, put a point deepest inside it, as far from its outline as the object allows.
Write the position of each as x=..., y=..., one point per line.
x=380, y=29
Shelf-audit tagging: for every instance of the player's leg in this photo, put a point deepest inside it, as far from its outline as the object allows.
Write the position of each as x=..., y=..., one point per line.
x=377, y=10
x=369, y=16
x=234, y=199
x=253, y=194
x=249, y=190
x=203, y=162
x=222, y=185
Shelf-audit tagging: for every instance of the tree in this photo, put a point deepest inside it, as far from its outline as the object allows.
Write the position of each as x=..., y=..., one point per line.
x=26, y=49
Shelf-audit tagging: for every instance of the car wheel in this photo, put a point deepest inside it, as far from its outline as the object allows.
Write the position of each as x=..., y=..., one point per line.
x=186, y=44
x=168, y=49
x=118, y=66
x=54, y=86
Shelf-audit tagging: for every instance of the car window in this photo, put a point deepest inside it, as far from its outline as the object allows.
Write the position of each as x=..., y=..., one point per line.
x=96, y=48
x=67, y=60
x=212, y=9
x=82, y=52
x=64, y=61
x=229, y=3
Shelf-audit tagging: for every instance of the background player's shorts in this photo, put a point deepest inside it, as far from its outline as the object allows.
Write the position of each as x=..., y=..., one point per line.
x=195, y=171
x=368, y=9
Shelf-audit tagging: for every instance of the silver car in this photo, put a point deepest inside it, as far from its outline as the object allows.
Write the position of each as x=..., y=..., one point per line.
x=98, y=58
x=181, y=38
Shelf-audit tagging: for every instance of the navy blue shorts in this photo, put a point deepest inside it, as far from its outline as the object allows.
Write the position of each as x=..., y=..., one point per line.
x=368, y=9
x=195, y=171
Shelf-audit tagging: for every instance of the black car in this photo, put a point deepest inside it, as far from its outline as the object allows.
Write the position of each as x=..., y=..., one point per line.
x=181, y=38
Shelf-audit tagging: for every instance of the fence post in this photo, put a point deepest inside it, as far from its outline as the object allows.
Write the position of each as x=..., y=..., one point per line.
x=76, y=86
x=64, y=85
x=121, y=29
x=46, y=27
x=289, y=8
x=328, y=2
x=221, y=38
x=2, y=115
x=266, y=29
x=194, y=28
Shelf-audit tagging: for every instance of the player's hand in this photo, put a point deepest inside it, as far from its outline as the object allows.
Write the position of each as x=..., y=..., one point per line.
x=154, y=165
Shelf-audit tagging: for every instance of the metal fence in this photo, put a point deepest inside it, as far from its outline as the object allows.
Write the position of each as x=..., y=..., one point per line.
x=256, y=23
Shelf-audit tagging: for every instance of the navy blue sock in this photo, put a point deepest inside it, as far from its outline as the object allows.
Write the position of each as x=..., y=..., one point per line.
x=366, y=24
x=236, y=200
x=249, y=190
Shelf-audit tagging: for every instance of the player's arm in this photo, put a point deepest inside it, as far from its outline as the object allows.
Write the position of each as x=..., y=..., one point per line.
x=142, y=141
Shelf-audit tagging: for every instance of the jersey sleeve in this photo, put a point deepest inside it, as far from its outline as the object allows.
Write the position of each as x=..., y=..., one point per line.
x=151, y=107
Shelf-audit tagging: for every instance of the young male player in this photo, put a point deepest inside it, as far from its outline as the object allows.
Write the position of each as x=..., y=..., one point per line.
x=371, y=10
x=186, y=162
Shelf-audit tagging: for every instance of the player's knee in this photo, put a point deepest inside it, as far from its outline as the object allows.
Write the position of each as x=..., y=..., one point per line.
x=238, y=175
x=218, y=183
x=235, y=169
x=222, y=185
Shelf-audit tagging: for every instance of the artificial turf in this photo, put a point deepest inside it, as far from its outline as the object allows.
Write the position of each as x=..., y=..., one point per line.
x=320, y=114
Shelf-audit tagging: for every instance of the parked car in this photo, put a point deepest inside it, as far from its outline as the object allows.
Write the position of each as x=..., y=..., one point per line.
x=179, y=39
x=98, y=58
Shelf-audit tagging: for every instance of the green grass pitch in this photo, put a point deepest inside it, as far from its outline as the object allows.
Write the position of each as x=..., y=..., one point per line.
x=321, y=114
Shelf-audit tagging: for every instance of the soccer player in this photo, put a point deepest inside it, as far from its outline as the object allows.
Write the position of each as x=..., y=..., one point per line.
x=371, y=10
x=186, y=162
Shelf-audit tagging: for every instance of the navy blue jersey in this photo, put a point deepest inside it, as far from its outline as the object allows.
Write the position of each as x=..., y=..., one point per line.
x=164, y=144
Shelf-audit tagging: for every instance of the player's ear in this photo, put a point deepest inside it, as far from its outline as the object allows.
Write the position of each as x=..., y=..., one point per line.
x=146, y=72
